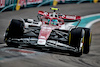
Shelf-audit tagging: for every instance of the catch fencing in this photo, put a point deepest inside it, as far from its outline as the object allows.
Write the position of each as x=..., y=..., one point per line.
x=11, y=4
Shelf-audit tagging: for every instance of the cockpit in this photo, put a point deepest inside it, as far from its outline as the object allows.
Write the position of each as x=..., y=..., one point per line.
x=52, y=20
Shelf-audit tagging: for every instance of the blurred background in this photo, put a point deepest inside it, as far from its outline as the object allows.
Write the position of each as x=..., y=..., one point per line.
x=6, y=5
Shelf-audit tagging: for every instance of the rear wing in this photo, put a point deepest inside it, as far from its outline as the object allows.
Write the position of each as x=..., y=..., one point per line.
x=70, y=17
x=62, y=16
x=66, y=18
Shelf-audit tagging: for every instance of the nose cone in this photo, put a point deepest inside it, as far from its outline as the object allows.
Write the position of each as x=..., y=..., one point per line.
x=45, y=33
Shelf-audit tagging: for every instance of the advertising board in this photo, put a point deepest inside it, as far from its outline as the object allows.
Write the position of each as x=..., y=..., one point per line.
x=2, y=3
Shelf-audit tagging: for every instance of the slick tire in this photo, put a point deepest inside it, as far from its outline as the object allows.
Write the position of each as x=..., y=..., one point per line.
x=16, y=28
x=75, y=37
x=75, y=40
x=87, y=40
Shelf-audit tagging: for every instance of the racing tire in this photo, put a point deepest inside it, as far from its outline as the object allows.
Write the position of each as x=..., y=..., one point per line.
x=87, y=41
x=16, y=28
x=75, y=39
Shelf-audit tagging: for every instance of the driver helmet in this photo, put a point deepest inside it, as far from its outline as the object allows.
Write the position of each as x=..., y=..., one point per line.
x=53, y=21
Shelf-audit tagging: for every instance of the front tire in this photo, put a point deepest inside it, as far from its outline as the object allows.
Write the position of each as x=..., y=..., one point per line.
x=15, y=30
x=75, y=39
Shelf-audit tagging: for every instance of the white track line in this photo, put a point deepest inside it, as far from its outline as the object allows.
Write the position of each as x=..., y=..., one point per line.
x=91, y=23
x=2, y=45
x=90, y=15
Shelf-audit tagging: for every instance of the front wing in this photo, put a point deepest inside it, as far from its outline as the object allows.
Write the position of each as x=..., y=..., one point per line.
x=49, y=43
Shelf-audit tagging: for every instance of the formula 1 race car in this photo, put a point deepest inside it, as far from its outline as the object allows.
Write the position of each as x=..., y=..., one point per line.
x=50, y=31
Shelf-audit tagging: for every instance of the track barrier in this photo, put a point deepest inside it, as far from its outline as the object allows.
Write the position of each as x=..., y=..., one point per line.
x=17, y=4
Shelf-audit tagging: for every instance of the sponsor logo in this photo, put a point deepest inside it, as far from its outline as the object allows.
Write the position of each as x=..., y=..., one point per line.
x=69, y=17
x=42, y=37
x=46, y=27
x=41, y=42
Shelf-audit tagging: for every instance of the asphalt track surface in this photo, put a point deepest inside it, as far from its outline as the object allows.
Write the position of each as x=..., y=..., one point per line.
x=10, y=57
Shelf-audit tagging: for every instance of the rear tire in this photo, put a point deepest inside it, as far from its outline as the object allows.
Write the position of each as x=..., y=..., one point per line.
x=87, y=41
